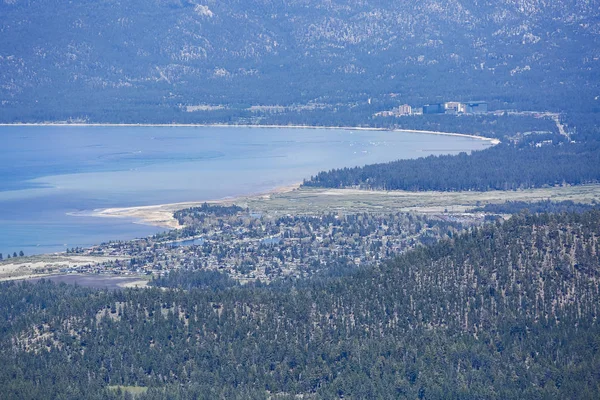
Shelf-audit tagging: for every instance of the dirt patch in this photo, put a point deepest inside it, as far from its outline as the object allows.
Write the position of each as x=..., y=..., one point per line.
x=96, y=281
x=24, y=267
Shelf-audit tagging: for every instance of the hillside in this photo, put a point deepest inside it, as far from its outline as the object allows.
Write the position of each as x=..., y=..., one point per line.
x=153, y=61
x=506, y=311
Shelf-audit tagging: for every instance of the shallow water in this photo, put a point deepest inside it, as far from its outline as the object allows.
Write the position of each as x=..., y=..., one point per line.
x=48, y=172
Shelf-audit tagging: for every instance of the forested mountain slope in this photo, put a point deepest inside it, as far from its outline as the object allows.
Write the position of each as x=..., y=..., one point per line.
x=506, y=311
x=145, y=61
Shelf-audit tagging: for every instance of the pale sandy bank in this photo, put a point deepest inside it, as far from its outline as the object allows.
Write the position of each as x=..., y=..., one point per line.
x=359, y=128
x=45, y=264
x=162, y=214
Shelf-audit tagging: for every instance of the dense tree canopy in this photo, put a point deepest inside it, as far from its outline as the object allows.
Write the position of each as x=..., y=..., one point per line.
x=545, y=206
x=503, y=167
x=488, y=314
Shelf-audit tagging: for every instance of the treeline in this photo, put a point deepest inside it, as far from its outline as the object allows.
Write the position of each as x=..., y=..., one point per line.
x=488, y=314
x=194, y=279
x=201, y=212
x=14, y=255
x=493, y=126
x=544, y=206
x=502, y=167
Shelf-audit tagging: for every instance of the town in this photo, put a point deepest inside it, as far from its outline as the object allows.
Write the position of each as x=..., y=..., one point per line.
x=248, y=247
x=450, y=107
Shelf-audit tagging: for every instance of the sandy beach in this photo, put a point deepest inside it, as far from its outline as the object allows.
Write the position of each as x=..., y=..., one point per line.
x=292, y=199
x=162, y=214
x=355, y=128
x=159, y=212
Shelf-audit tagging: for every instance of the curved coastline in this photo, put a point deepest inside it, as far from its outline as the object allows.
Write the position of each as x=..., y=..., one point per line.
x=161, y=215
x=493, y=141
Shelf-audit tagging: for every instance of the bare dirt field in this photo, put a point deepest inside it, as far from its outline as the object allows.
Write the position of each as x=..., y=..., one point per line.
x=44, y=264
x=96, y=281
x=295, y=200
x=298, y=201
x=308, y=200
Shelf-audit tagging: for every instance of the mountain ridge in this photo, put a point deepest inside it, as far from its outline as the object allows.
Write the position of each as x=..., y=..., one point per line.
x=95, y=58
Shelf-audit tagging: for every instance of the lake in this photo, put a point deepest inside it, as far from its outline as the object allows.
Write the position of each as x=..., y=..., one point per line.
x=48, y=173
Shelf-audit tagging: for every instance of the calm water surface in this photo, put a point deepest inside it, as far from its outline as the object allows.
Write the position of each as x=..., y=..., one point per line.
x=48, y=172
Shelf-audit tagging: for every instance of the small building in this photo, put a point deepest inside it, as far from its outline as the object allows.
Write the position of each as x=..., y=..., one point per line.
x=476, y=107
x=454, y=107
x=433, y=108
x=384, y=114
x=405, y=109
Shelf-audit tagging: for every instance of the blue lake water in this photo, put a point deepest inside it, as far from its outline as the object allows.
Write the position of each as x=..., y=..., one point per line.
x=48, y=172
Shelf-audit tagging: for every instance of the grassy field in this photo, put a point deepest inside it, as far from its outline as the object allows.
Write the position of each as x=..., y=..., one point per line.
x=132, y=390
x=311, y=200
x=306, y=201
x=300, y=201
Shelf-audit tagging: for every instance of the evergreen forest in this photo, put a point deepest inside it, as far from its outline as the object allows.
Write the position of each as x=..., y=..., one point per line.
x=507, y=310
x=505, y=166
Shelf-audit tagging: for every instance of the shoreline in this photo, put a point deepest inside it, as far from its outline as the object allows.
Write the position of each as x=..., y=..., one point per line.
x=161, y=215
x=288, y=200
x=293, y=198
x=175, y=125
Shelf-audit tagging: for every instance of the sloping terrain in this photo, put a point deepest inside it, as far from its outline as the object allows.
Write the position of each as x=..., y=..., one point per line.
x=148, y=60
x=506, y=311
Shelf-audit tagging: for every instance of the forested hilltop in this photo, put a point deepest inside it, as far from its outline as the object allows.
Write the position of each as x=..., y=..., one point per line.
x=305, y=60
x=504, y=311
